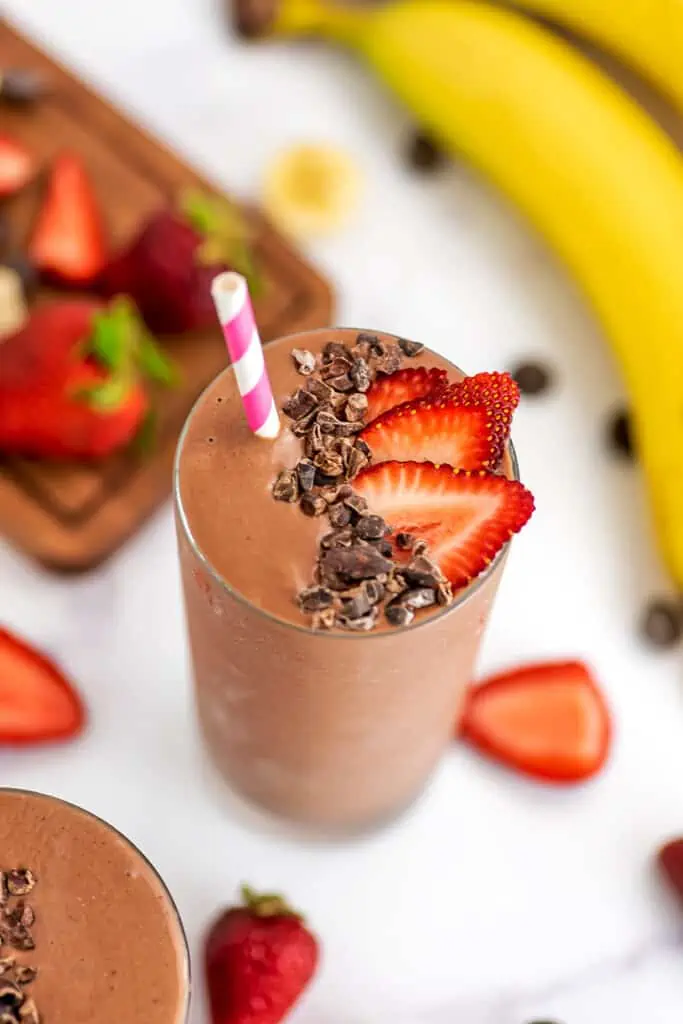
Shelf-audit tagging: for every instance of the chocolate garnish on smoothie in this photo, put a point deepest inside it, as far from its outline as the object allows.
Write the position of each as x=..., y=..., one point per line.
x=16, y=919
x=356, y=577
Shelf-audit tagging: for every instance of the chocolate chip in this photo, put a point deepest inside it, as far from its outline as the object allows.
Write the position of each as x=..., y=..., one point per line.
x=404, y=541
x=323, y=480
x=391, y=361
x=315, y=441
x=419, y=546
x=314, y=599
x=620, y=434
x=363, y=624
x=423, y=573
x=357, y=606
x=356, y=563
x=300, y=404
x=20, y=938
x=286, y=487
x=20, y=881
x=341, y=383
x=370, y=527
x=324, y=619
x=421, y=597
x=532, y=378
x=318, y=388
x=339, y=515
x=364, y=448
x=356, y=503
x=423, y=154
x=313, y=505
x=330, y=463
x=11, y=997
x=302, y=426
x=374, y=591
x=22, y=85
x=305, y=471
x=335, y=350
x=356, y=407
x=444, y=593
x=356, y=462
x=304, y=361
x=28, y=1013
x=6, y=964
x=373, y=342
x=396, y=584
x=336, y=368
x=385, y=548
x=398, y=615
x=661, y=623
x=327, y=421
x=338, y=539
x=24, y=974
x=360, y=375
x=410, y=348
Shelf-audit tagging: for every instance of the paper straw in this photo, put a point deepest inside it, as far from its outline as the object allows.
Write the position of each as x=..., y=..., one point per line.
x=236, y=317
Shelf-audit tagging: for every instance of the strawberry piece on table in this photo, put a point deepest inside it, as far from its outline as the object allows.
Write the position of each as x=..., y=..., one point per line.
x=499, y=394
x=392, y=389
x=67, y=243
x=17, y=166
x=670, y=861
x=37, y=703
x=259, y=958
x=168, y=267
x=465, y=518
x=71, y=380
x=436, y=430
x=549, y=721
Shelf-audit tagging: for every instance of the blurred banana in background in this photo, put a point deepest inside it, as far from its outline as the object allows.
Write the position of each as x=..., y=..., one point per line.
x=599, y=179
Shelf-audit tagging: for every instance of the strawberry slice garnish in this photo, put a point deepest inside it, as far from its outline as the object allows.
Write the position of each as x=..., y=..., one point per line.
x=499, y=394
x=438, y=430
x=394, y=389
x=547, y=720
x=465, y=518
x=37, y=703
x=17, y=166
x=67, y=244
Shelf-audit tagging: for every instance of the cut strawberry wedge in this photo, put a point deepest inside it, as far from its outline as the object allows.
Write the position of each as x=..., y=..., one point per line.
x=499, y=394
x=37, y=703
x=67, y=243
x=548, y=720
x=17, y=166
x=392, y=389
x=465, y=518
x=435, y=430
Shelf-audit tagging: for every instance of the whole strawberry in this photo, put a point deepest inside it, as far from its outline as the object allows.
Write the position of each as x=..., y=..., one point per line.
x=259, y=958
x=168, y=267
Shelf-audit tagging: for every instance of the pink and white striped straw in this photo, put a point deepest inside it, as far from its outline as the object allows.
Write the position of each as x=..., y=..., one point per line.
x=236, y=317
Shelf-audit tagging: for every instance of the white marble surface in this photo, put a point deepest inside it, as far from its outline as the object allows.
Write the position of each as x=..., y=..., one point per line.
x=495, y=901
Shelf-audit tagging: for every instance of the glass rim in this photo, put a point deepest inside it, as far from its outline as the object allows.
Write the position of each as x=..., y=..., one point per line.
x=185, y=945
x=459, y=601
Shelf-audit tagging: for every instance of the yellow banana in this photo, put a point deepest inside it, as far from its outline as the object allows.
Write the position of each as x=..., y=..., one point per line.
x=647, y=34
x=597, y=177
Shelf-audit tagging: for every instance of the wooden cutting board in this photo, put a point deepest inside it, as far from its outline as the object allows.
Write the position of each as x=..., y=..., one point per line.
x=70, y=517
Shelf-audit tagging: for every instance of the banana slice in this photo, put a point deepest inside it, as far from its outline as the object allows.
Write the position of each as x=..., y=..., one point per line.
x=311, y=190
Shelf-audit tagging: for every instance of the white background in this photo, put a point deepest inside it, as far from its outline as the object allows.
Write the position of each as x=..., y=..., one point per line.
x=496, y=901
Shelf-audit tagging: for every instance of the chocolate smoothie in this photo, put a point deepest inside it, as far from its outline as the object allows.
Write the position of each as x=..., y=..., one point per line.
x=90, y=917
x=331, y=728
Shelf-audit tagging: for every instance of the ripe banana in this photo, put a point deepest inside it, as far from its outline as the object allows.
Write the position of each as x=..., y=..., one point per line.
x=646, y=34
x=311, y=191
x=597, y=177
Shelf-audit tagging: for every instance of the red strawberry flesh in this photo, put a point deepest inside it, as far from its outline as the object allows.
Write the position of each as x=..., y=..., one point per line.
x=436, y=430
x=499, y=394
x=466, y=518
x=390, y=390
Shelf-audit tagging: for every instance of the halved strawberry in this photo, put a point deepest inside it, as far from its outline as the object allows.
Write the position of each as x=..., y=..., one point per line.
x=435, y=430
x=548, y=720
x=17, y=165
x=465, y=518
x=37, y=703
x=393, y=389
x=499, y=393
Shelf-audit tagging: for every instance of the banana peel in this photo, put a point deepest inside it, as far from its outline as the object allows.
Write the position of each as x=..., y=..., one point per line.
x=595, y=175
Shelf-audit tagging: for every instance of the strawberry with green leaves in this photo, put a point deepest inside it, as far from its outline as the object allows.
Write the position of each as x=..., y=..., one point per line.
x=168, y=267
x=259, y=958
x=72, y=380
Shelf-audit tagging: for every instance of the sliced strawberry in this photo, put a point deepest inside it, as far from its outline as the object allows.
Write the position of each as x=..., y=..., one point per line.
x=548, y=720
x=37, y=703
x=67, y=244
x=17, y=166
x=433, y=430
x=499, y=393
x=465, y=518
x=393, y=389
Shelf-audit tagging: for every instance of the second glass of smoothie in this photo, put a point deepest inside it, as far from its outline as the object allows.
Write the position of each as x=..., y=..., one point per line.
x=338, y=730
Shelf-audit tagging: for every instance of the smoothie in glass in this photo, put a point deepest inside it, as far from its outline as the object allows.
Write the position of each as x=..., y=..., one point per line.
x=90, y=931
x=332, y=725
